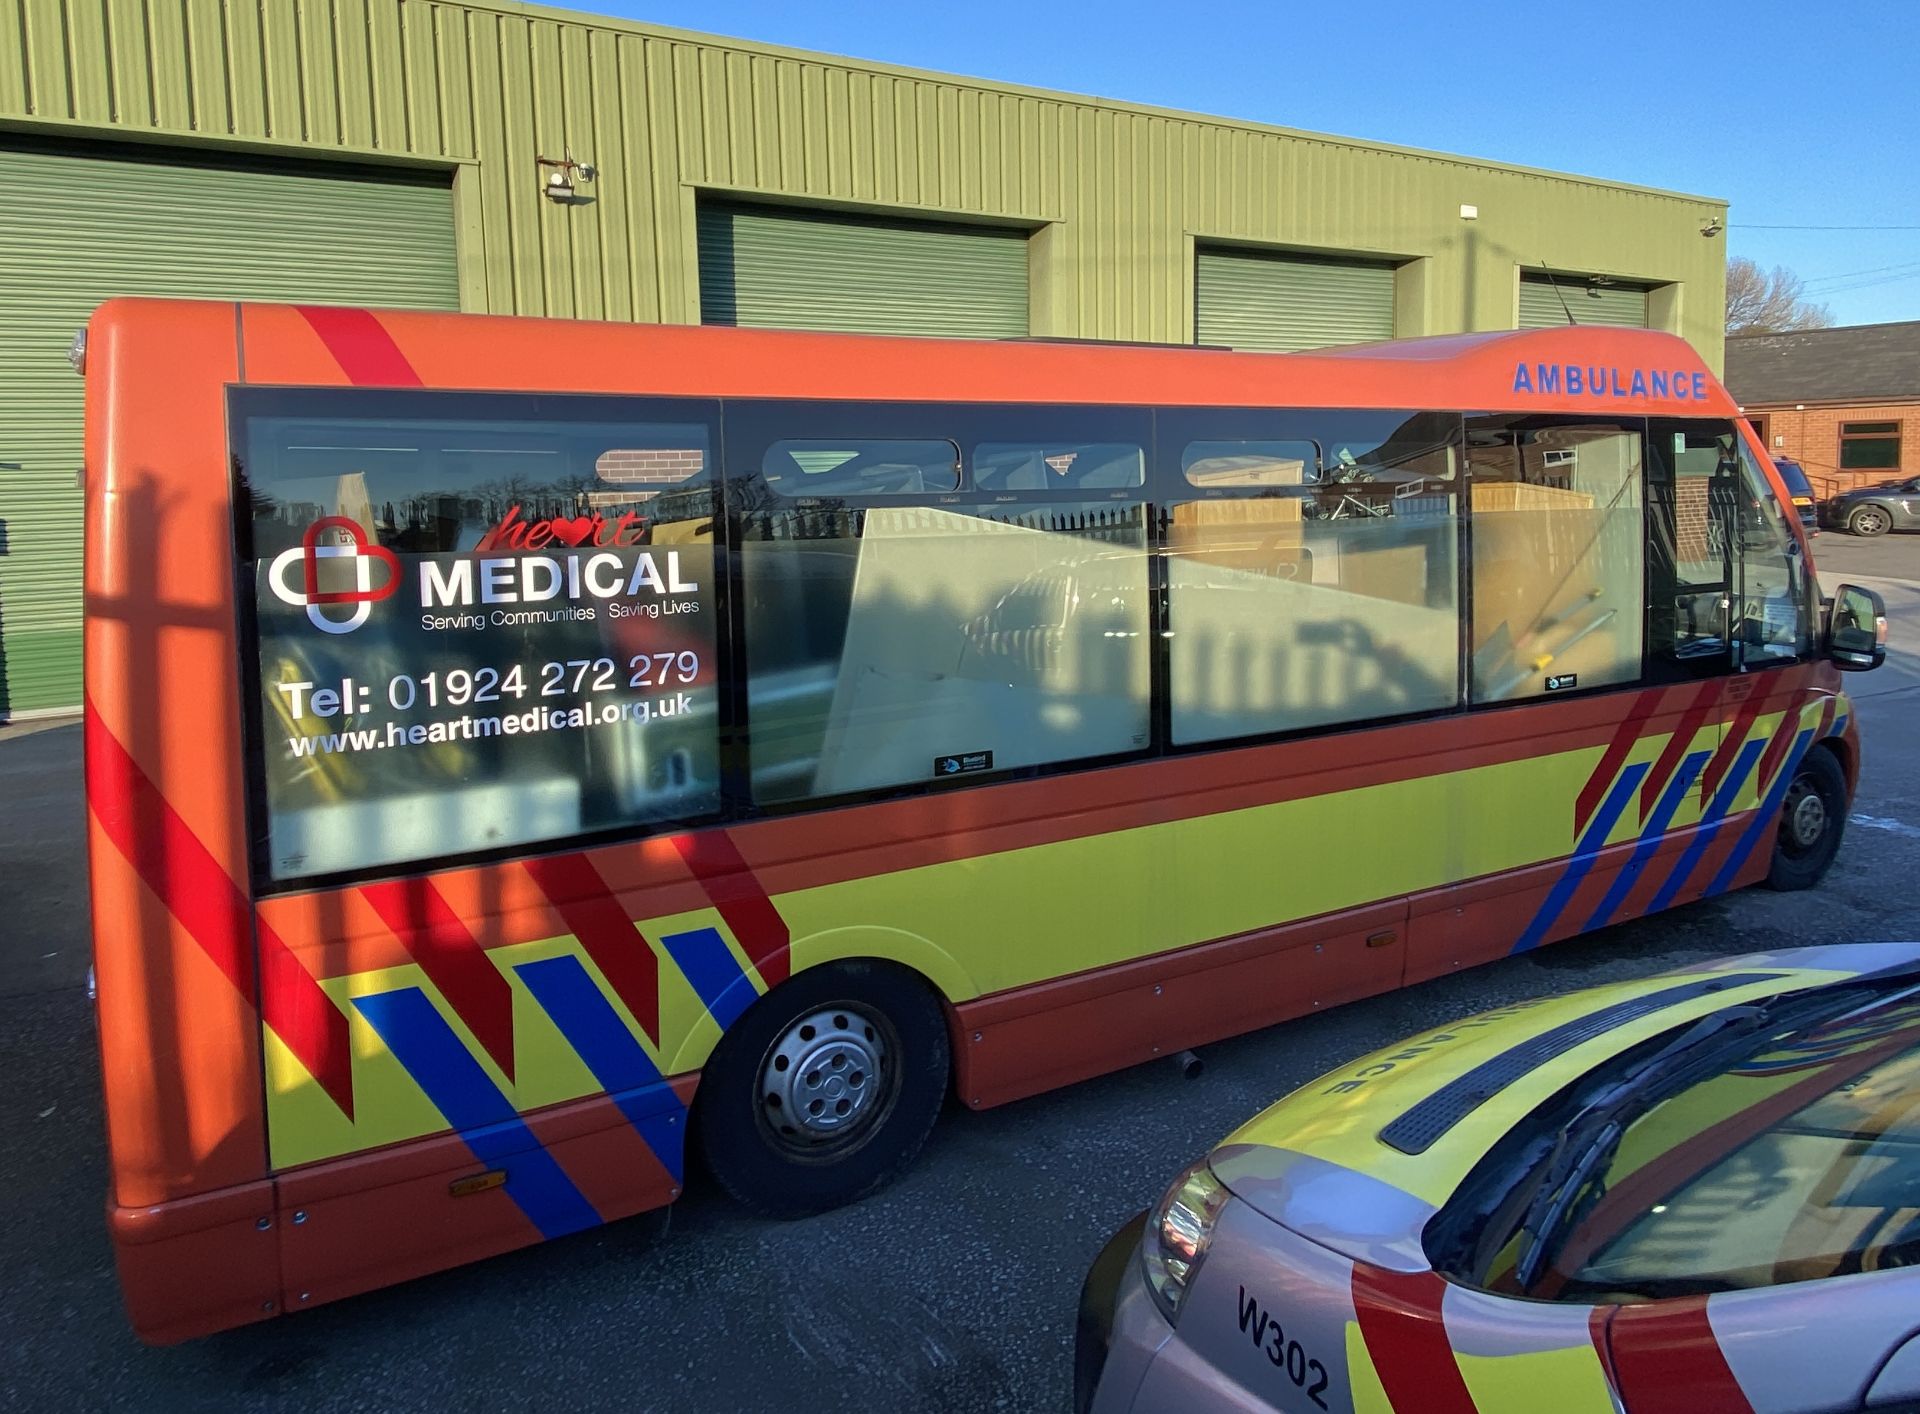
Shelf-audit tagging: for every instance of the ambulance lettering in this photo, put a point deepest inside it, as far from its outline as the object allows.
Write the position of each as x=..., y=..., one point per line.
x=1288, y=1355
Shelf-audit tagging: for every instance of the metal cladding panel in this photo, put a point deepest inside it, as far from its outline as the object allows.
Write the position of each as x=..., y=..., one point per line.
x=1618, y=306
x=128, y=226
x=1117, y=195
x=1282, y=303
x=783, y=270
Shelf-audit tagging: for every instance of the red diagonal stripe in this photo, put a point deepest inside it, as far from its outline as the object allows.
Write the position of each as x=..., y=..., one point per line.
x=361, y=345
x=587, y=906
x=756, y=924
x=1406, y=1337
x=1668, y=1361
x=1734, y=738
x=1614, y=757
x=1776, y=750
x=452, y=958
x=204, y=899
x=1704, y=701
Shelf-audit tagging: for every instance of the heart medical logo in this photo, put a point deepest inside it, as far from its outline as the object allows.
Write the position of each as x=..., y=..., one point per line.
x=349, y=544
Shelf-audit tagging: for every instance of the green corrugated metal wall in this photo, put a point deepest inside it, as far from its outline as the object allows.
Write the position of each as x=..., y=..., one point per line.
x=1117, y=193
x=795, y=270
x=1619, y=306
x=120, y=225
x=1281, y=303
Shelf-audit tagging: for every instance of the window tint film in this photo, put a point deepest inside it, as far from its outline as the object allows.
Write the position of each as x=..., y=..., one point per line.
x=1000, y=627
x=1558, y=555
x=1311, y=571
x=481, y=621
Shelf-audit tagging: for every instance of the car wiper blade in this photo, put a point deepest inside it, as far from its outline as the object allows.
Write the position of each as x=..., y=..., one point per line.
x=1585, y=1147
x=1572, y=1179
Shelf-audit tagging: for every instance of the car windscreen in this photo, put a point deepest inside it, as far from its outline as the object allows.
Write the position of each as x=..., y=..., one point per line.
x=1796, y=1157
x=1796, y=479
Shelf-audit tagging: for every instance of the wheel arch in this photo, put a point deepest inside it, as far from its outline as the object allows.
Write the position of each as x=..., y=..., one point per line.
x=931, y=964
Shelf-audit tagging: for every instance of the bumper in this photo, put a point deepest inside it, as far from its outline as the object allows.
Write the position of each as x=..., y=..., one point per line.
x=1119, y=1329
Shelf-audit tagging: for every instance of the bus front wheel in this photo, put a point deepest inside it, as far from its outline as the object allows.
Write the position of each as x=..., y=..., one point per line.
x=825, y=1089
x=1811, y=819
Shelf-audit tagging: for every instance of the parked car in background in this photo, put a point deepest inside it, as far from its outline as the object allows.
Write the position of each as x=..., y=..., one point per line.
x=1800, y=491
x=1874, y=510
x=1699, y=1191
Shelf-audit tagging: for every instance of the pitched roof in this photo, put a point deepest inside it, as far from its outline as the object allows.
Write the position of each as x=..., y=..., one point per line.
x=1854, y=362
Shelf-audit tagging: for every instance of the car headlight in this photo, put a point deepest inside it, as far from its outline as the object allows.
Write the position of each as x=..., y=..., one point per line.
x=1178, y=1231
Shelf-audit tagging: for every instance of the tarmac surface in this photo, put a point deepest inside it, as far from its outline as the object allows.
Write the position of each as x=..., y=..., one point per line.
x=953, y=1290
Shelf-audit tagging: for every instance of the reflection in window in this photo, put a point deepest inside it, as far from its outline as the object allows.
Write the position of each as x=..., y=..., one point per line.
x=1773, y=621
x=1558, y=556
x=1826, y=1191
x=849, y=467
x=1249, y=463
x=1058, y=466
x=880, y=640
x=1306, y=591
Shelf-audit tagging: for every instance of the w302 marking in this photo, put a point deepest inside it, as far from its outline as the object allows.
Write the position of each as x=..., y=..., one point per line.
x=1287, y=1355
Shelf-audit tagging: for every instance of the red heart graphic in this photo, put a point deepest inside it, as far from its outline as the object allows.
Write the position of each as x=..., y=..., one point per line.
x=352, y=534
x=571, y=532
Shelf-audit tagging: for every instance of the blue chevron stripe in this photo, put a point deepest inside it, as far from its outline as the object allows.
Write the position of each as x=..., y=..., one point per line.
x=595, y=1031
x=1592, y=840
x=1650, y=837
x=441, y=1065
x=1710, y=824
x=1763, y=820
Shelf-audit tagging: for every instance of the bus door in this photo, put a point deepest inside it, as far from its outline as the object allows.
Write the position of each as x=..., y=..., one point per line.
x=1727, y=602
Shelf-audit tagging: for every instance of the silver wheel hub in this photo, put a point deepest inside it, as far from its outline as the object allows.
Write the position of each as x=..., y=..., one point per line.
x=1807, y=818
x=825, y=1078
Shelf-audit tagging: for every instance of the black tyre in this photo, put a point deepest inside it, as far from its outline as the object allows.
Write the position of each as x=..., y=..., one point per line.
x=825, y=1089
x=1812, y=819
x=1869, y=520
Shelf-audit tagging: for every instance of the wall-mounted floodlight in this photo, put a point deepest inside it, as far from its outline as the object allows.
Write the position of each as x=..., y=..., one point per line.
x=559, y=182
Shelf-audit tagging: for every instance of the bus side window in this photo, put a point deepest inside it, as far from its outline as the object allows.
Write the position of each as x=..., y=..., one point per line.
x=898, y=633
x=1311, y=568
x=1558, y=555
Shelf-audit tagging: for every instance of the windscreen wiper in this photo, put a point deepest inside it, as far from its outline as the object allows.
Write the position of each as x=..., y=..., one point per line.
x=1574, y=1176
x=1573, y=1179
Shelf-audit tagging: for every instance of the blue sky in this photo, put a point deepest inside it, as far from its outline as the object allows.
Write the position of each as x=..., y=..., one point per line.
x=1798, y=115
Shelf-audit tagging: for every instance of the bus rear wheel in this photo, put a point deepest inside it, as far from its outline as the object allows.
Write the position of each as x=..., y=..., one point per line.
x=1812, y=817
x=825, y=1090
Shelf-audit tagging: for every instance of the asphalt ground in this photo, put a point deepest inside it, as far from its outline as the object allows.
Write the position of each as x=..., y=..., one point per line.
x=953, y=1290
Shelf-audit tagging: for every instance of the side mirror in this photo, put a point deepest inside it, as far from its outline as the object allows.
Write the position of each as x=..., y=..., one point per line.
x=1857, y=629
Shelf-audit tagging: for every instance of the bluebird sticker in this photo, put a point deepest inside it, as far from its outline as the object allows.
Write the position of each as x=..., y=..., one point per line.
x=963, y=765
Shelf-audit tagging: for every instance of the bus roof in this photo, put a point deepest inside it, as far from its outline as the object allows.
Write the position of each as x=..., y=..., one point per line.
x=1571, y=370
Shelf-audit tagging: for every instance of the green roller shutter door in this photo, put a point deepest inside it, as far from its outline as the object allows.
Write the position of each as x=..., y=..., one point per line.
x=1285, y=302
x=1618, y=306
x=83, y=225
x=811, y=270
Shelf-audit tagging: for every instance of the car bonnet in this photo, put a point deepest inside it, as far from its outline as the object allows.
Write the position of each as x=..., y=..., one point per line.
x=1361, y=1158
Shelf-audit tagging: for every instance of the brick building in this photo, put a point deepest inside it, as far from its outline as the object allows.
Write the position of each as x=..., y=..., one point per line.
x=1844, y=403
